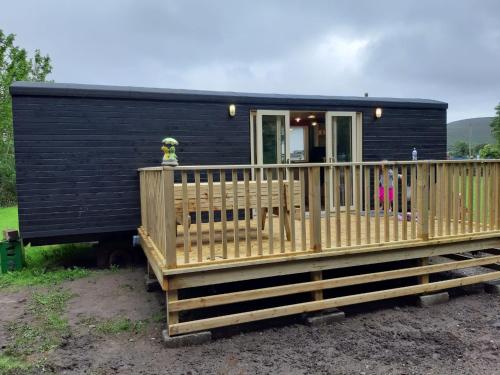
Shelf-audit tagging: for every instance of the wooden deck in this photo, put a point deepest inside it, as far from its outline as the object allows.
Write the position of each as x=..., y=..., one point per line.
x=445, y=209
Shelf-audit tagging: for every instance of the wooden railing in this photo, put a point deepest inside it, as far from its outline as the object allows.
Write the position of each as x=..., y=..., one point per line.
x=201, y=214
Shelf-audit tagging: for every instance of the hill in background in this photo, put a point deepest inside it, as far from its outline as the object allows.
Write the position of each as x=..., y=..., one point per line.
x=474, y=130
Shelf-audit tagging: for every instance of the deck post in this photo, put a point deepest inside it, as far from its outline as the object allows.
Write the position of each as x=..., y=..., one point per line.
x=315, y=222
x=169, y=216
x=315, y=209
x=423, y=195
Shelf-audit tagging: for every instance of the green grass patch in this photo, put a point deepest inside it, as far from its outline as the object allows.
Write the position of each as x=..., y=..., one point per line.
x=44, y=264
x=46, y=329
x=10, y=365
x=115, y=325
x=8, y=218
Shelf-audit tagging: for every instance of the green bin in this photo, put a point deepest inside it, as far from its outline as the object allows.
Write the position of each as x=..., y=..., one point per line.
x=11, y=256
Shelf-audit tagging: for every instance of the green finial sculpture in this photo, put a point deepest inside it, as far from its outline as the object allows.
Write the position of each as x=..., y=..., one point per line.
x=168, y=148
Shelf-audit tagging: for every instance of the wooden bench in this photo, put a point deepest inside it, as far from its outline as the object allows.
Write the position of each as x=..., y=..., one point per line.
x=252, y=192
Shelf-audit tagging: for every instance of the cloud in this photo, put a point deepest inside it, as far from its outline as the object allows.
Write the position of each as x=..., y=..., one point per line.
x=446, y=50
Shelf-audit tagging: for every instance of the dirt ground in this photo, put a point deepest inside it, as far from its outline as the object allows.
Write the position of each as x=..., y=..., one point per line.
x=460, y=337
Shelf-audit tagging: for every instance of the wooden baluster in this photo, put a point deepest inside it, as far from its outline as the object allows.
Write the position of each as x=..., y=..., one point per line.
x=385, y=174
x=357, y=200
x=167, y=177
x=491, y=200
x=404, y=202
x=463, y=192
x=281, y=210
x=199, y=240
x=449, y=197
x=269, y=177
x=315, y=209
x=303, y=237
x=456, y=200
x=338, y=233
x=347, y=195
x=246, y=182
x=211, y=229
x=185, y=217
x=376, y=183
x=395, y=204
x=328, y=189
x=440, y=200
x=485, y=195
x=223, y=212
x=291, y=206
x=470, y=197
x=367, y=204
x=423, y=212
x=236, y=229
x=478, y=197
x=432, y=200
x=258, y=207
x=413, y=178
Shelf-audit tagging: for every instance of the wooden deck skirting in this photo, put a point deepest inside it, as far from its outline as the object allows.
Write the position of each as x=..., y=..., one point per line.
x=205, y=225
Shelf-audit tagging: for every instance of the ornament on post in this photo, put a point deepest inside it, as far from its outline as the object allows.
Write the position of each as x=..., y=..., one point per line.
x=168, y=148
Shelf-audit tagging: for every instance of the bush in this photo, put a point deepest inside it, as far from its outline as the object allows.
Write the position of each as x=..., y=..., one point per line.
x=7, y=181
x=490, y=152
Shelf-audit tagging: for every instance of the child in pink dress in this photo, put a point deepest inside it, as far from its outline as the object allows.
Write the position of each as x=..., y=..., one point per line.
x=381, y=190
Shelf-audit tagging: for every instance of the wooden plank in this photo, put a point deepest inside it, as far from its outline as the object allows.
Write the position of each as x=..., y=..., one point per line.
x=368, y=233
x=423, y=188
x=317, y=294
x=414, y=201
x=314, y=209
x=491, y=204
x=463, y=198
x=328, y=189
x=223, y=212
x=478, y=195
x=484, y=200
x=275, y=291
x=290, y=204
x=357, y=201
x=496, y=201
x=220, y=321
x=199, y=243
x=338, y=233
x=236, y=229
x=376, y=208
x=185, y=219
x=470, y=198
x=211, y=230
x=440, y=201
x=281, y=209
x=395, y=204
x=404, y=202
x=258, y=178
x=248, y=243
x=269, y=175
x=385, y=176
x=167, y=176
x=302, y=180
x=448, y=198
x=432, y=200
x=347, y=197
x=172, y=316
x=456, y=198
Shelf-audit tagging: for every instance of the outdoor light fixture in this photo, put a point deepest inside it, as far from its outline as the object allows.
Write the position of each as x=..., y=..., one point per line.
x=378, y=112
x=232, y=110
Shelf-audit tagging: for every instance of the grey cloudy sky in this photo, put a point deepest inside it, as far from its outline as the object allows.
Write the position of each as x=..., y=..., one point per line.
x=445, y=50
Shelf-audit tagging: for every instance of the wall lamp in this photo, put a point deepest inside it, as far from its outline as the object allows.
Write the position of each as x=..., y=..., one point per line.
x=232, y=110
x=378, y=112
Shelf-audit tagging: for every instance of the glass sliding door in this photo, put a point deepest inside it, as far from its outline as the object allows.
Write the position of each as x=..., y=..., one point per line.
x=343, y=142
x=273, y=137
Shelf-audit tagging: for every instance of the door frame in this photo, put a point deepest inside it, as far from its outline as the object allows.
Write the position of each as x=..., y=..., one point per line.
x=258, y=128
x=356, y=135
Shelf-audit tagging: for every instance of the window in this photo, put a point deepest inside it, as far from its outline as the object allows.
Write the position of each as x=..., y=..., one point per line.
x=298, y=144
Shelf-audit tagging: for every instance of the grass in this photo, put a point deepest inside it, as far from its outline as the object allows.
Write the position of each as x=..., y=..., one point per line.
x=115, y=325
x=46, y=330
x=44, y=264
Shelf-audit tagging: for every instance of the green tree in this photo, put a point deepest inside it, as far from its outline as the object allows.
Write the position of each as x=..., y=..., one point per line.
x=15, y=65
x=460, y=149
x=495, y=125
x=490, y=152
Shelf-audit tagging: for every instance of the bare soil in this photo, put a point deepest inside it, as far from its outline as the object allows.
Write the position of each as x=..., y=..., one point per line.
x=459, y=337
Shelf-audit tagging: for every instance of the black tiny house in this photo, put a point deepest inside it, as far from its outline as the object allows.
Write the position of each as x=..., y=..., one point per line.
x=78, y=147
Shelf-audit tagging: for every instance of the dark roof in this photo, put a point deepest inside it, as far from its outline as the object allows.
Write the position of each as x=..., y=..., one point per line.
x=127, y=92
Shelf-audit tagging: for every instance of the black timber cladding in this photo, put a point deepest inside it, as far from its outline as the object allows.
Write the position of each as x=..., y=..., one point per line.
x=78, y=147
